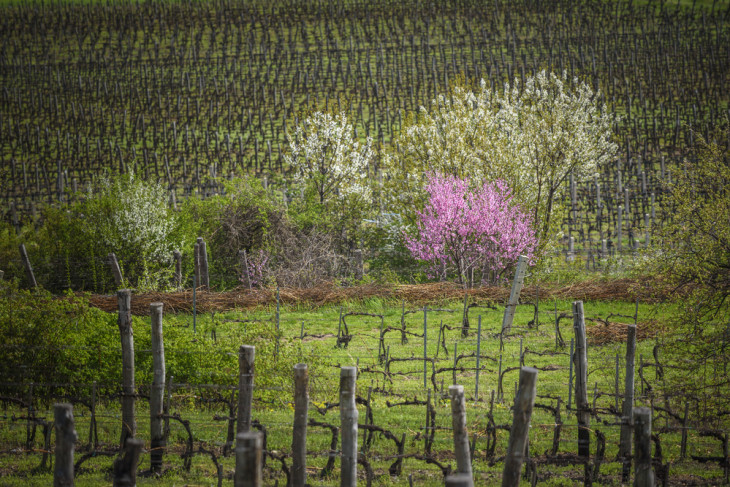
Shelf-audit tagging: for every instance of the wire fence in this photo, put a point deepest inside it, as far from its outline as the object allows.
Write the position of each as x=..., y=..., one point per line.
x=405, y=419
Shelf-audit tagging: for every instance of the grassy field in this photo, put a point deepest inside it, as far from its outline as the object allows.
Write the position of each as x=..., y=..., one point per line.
x=312, y=332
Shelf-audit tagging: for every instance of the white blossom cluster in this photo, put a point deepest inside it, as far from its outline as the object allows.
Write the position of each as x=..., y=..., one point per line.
x=132, y=219
x=325, y=154
x=532, y=136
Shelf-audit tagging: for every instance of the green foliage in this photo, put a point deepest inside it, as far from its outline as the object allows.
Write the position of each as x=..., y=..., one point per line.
x=694, y=257
x=48, y=339
x=243, y=218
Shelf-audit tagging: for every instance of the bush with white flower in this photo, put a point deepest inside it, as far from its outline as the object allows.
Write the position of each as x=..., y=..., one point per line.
x=131, y=217
x=326, y=157
x=532, y=136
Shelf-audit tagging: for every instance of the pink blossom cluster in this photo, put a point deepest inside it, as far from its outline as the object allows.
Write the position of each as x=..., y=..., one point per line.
x=478, y=229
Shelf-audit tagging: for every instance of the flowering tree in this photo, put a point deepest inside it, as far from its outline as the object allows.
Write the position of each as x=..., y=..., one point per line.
x=532, y=136
x=324, y=154
x=480, y=229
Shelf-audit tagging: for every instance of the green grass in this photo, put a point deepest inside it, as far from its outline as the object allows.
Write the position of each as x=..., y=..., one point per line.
x=275, y=412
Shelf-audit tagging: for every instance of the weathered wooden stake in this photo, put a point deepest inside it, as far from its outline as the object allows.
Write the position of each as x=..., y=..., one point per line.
x=628, y=404
x=519, y=432
x=196, y=265
x=459, y=480
x=63, y=418
x=157, y=392
x=348, y=421
x=246, y=369
x=461, y=435
x=125, y=468
x=643, y=474
x=28, y=267
x=249, y=453
x=116, y=271
x=129, y=423
x=514, y=297
x=581, y=381
x=204, y=281
x=299, y=439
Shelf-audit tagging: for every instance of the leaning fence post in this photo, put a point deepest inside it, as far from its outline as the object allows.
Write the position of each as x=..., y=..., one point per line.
x=514, y=296
x=583, y=411
x=628, y=404
x=299, y=438
x=348, y=421
x=643, y=474
x=461, y=436
x=519, y=432
x=116, y=271
x=125, y=468
x=246, y=369
x=157, y=392
x=63, y=473
x=28, y=267
x=248, y=459
x=129, y=425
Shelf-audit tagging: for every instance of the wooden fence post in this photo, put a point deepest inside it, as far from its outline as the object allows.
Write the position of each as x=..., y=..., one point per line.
x=125, y=468
x=196, y=265
x=643, y=474
x=28, y=267
x=580, y=358
x=157, y=392
x=246, y=369
x=63, y=473
x=348, y=421
x=459, y=480
x=514, y=297
x=204, y=281
x=116, y=271
x=461, y=435
x=519, y=432
x=129, y=424
x=299, y=438
x=628, y=404
x=248, y=459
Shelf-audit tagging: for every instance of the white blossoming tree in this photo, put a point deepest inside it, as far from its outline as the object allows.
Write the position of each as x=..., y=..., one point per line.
x=326, y=157
x=532, y=136
x=131, y=217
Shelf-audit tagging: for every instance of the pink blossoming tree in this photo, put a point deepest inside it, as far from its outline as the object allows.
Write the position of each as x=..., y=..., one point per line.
x=471, y=230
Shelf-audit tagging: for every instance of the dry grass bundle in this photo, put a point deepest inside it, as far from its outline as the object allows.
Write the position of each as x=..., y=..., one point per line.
x=328, y=293
x=605, y=333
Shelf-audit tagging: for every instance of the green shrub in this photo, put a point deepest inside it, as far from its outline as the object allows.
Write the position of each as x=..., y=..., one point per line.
x=66, y=342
